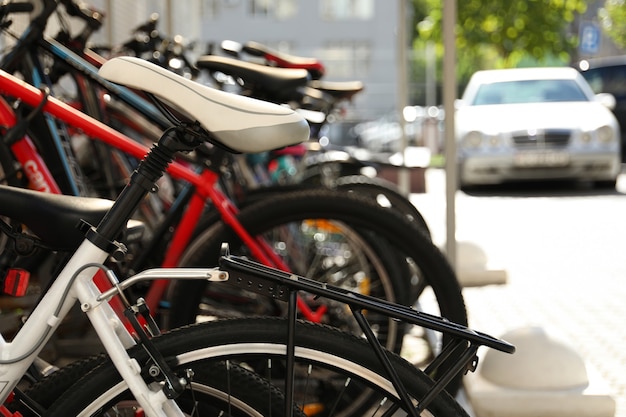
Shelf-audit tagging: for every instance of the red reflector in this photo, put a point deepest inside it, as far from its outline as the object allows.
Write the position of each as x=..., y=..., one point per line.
x=4, y=412
x=16, y=282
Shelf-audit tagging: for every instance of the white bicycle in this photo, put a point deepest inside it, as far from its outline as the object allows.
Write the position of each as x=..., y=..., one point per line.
x=248, y=366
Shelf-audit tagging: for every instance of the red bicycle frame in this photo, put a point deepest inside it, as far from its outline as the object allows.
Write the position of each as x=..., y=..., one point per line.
x=204, y=183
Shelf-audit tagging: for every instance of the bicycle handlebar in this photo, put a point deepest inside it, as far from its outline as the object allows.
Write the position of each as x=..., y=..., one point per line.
x=92, y=17
x=37, y=27
x=20, y=7
x=148, y=26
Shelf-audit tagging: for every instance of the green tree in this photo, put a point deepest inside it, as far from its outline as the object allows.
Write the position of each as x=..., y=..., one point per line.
x=613, y=19
x=501, y=33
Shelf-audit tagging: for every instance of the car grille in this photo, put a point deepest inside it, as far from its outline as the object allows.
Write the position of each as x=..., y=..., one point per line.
x=542, y=138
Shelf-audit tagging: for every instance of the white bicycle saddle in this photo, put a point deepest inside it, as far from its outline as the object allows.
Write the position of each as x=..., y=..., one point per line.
x=240, y=123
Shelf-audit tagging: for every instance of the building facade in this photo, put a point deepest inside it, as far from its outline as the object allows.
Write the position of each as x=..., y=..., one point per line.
x=355, y=39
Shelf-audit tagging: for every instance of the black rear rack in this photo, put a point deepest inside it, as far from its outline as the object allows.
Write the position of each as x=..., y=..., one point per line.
x=459, y=355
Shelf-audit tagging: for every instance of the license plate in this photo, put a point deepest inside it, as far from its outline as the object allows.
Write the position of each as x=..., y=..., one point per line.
x=541, y=159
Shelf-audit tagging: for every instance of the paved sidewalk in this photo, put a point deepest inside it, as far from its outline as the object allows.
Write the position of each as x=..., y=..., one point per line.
x=580, y=301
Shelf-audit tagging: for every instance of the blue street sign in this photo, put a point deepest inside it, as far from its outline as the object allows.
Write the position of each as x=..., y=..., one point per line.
x=589, y=38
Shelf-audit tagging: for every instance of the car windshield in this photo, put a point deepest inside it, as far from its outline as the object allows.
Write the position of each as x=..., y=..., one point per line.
x=528, y=91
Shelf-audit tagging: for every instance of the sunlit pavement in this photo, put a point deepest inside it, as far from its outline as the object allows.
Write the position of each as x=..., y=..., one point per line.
x=563, y=253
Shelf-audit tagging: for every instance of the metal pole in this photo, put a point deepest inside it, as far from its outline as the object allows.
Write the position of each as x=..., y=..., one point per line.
x=404, y=178
x=108, y=9
x=170, y=18
x=449, y=97
x=431, y=70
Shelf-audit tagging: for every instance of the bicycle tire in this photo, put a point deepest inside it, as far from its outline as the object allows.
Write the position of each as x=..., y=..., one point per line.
x=387, y=279
x=401, y=236
x=241, y=393
x=323, y=352
x=382, y=191
x=376, y=272
x=389, y=228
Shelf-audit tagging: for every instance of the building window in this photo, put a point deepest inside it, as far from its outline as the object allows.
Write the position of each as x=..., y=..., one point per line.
x=278, y=9
x=347, y=9
x=347, y=59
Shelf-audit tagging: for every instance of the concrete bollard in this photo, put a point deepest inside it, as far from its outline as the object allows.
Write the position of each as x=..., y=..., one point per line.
x=473, y=267
x=543, y=378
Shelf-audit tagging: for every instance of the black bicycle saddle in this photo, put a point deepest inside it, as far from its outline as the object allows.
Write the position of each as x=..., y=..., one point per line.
x=277, y=83
x=53, y=218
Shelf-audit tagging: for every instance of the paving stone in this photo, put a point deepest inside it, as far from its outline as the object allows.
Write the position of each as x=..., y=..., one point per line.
x=564, y=258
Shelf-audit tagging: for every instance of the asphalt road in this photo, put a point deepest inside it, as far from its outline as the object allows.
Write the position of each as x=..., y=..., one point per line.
x=563, y=247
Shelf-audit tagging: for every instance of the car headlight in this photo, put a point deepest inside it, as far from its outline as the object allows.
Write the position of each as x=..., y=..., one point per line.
x=586, y=137
x=472, y=139
x=605, y=134
x=494, y=140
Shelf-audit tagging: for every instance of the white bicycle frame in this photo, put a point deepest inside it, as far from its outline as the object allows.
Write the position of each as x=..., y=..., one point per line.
x=247, y=126
x=75, y=283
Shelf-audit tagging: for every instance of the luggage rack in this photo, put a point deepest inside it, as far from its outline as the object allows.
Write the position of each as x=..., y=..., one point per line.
x=459, y=355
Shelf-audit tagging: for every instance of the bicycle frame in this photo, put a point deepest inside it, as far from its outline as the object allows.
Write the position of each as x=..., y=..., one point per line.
x=204, y=183
x=45, y=318
x=76, y=283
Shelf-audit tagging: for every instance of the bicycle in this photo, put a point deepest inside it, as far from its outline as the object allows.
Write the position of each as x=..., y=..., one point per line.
x=141, y=372
x=435, y=271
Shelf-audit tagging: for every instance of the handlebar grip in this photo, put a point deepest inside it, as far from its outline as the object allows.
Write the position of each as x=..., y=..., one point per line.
x=20, y=7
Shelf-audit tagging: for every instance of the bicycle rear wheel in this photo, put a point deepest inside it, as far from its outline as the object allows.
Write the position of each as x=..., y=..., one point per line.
x=336, y=374
x=286, y=223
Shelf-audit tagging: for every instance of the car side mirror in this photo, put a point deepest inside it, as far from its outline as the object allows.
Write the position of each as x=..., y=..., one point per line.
x=606, y=99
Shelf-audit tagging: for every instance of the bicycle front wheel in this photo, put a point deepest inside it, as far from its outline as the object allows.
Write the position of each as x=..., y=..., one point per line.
x=336, y=374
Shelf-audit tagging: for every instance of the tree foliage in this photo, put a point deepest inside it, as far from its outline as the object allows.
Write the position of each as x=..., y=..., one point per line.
x=613, y=19
x=502, y=33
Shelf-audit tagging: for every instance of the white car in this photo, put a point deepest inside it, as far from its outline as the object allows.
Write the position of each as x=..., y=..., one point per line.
x=535, y=124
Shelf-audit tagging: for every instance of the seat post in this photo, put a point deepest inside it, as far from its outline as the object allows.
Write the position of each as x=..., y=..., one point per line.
x=143, y=180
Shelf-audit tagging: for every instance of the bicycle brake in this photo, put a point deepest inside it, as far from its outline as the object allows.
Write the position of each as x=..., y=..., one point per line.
x=174, y=385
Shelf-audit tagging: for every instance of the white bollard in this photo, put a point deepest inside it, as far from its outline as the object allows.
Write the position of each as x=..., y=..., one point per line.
x=474, y=269
x=543, y=378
